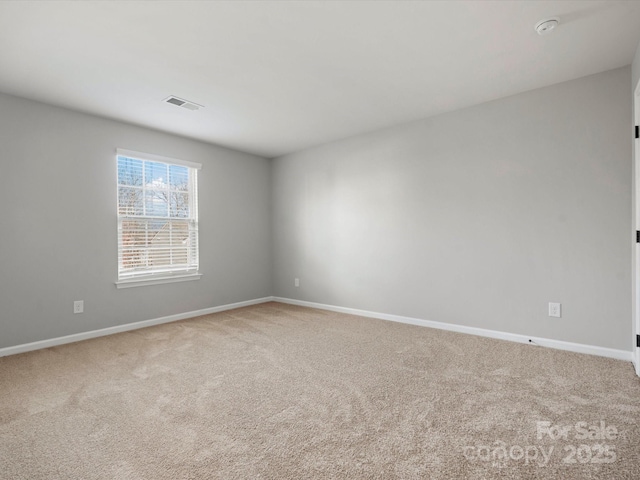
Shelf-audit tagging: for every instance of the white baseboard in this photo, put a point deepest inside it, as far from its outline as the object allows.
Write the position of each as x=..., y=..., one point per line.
x=513, y=337
x=27, y=347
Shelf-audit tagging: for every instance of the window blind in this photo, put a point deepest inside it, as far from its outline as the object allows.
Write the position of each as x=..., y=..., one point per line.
x=157, y=216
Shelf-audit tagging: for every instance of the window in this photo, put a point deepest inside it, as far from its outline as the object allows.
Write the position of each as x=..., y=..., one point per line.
x=157, y=219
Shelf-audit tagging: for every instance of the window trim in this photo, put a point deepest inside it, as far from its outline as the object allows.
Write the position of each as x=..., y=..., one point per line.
x=152, y=157
x=157, y=280
x=163, y=277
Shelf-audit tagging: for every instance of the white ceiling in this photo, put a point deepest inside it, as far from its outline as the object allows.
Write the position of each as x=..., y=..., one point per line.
x=280, y=76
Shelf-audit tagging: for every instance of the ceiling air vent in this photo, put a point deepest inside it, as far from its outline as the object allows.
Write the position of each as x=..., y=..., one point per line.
x=180, y=102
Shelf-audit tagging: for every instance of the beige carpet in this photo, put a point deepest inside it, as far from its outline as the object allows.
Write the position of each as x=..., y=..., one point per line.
x=281, y=392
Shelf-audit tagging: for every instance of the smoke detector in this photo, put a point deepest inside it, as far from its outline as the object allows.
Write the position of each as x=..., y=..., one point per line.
x=181, y=102
x=544, y=27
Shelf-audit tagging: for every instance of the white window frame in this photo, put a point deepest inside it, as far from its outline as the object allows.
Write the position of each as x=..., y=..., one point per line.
x=143, y=277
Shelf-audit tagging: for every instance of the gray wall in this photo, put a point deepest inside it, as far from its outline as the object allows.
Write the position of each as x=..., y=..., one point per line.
x=635, y=68
x=58, y=224
x=478, y=217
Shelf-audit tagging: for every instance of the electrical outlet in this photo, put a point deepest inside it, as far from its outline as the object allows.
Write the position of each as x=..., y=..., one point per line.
x=296, y=282
x=78, y=306
x=555, y=310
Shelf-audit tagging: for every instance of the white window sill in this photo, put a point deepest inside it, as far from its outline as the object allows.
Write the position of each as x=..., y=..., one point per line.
x=143, y=282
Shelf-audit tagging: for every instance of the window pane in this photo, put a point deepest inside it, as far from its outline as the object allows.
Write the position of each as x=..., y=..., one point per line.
x=155, y=175
x=155, y=202
x=129, y=171
x=179, y=205
x=135, y=259
x=154, y=227
x=134, y=233
x=178, y=178
x=130, y=201
x=180, y=233
x=133, y=242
